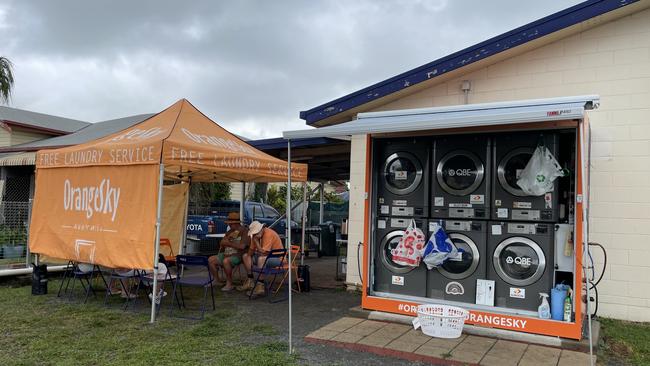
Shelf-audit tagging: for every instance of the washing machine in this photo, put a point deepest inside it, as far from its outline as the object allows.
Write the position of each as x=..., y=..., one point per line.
x=402, y=179
x=512, y=151
x=521, y=262
x=461, y=177
x=455, y=280
x=391, y=277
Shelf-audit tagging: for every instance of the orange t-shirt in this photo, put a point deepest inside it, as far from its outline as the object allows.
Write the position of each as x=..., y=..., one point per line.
x=270, y=240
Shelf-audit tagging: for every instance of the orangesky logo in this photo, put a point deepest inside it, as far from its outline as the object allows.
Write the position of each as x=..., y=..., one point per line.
x=137, y=134
x=103, y=198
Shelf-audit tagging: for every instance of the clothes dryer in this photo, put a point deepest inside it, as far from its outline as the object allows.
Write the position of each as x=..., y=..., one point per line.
x=512, y=151
x=402, y=178
x=461, y=177
x=455, y=280
x=391, y=277
x=521, y=262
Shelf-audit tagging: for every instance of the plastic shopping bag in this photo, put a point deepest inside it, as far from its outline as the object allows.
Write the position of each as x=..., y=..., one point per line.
x=408, y=251
x=439, y=248
x=540, y=172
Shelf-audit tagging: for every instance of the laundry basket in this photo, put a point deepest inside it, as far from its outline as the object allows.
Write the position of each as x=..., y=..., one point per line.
x=442, y=321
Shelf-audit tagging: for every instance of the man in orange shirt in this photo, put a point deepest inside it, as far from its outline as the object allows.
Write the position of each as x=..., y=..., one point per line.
x=263, y=241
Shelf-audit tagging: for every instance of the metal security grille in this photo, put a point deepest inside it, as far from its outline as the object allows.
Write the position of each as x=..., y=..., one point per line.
x=14, y=222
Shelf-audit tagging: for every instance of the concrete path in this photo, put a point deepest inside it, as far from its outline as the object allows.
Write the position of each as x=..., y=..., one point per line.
x=401, y=341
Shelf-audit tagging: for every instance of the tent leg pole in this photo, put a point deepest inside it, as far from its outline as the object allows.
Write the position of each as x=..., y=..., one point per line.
x=183, y=248
x=288, y=235
x=242, y=202
x=321, y=213
x=305, y=207
x=157, y=245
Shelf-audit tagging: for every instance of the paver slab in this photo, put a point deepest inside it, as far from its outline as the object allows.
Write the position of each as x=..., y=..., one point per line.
x=472, y=349
x=347, y=337
x=323, y=334
x=504, y=353
x=573, y=358
x=365, y=328
x=540, y=356
x=342, y=324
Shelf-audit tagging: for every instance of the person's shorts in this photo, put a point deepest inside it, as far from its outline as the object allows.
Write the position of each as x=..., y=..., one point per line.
x=272, y=262
x=234, y=259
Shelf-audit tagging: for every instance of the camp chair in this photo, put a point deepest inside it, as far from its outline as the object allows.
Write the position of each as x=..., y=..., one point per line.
x=123, y=280
x=295, y=254
x=267, y=272
x=170, y=259
x=182, y=279
x=88, y=277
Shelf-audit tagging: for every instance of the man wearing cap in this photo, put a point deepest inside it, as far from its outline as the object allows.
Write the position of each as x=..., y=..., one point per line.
x=263, y=241
x=231, y=248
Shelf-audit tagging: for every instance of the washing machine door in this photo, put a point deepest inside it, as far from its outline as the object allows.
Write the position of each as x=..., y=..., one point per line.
x=510, y=168
x=465, y=264
x=460, y=172
x=519, y=261
x=402, y=173
x=388, y=243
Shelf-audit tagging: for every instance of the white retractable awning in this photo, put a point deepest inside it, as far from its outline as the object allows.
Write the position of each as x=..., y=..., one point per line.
x=459, y=116
x=18, y=159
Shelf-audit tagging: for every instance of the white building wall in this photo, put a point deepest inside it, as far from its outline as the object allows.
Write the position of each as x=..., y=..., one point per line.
x=612, y=60
x=357, y=206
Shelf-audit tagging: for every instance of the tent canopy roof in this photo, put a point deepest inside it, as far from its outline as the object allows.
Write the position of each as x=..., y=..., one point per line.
x=189, y=144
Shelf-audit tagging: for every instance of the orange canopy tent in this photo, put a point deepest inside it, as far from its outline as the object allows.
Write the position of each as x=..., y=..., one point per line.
x=99, y=202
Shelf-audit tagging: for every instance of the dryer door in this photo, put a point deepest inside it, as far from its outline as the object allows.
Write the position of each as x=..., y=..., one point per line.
x=510, y=168
x=388, y=243
x=467, y=261
x=460, y=172
x=519, y=261
x=402, y=173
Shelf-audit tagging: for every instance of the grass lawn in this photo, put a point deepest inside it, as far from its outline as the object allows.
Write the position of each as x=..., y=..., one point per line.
x=46, y=330
x=624, y=343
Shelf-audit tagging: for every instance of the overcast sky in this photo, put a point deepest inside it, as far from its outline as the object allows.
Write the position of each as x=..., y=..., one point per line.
x=249, y=65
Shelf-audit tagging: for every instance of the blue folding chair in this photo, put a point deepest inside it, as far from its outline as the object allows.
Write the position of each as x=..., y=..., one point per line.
x=123, y=280
x=204, y=280
x=270, y=273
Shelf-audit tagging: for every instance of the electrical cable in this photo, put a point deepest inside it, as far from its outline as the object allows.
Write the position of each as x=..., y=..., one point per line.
x=359, y=263
x=593, y=282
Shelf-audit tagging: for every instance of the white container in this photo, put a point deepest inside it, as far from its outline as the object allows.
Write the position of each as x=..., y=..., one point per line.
x=442, y=321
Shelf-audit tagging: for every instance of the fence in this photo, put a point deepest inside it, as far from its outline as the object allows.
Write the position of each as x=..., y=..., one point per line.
x=14, y=224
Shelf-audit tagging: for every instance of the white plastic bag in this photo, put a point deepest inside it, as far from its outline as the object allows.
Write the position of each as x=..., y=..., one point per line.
x=540, y=172
x=408, y=251
x=439, y=248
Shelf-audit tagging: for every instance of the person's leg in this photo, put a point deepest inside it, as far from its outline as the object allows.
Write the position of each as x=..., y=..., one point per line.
x=227, y=268
x=248, y=264
x=213, y=265
x=259, y=287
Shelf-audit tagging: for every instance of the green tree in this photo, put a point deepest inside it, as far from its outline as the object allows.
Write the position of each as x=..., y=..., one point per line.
x=6, y=79
x=277, y=196
x=202, y=194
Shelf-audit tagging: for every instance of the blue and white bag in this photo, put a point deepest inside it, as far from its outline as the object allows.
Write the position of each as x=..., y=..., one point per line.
x=439, y=248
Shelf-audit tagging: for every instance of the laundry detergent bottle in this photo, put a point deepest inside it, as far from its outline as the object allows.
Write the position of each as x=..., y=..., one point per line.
x=544, y=309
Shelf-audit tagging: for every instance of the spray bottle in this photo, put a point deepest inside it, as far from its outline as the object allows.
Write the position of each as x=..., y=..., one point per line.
x=567, y=306
x=544, y=309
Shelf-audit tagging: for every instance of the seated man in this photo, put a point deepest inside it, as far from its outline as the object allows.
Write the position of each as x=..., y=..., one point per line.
x=263, y=240
x=234, y=243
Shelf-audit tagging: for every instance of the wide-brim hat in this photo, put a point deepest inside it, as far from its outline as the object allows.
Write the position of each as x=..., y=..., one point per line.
x=233, y=218
x=254, y=228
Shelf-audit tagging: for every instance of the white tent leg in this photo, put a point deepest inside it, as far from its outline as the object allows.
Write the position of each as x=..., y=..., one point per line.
x=305, y=207
x=242, y=202
x=183, y=247
x=157, y=244
x=288, y=234
x=321, y=213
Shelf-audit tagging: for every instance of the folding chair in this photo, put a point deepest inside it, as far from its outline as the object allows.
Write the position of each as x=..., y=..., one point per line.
x=123, y=280
x=67, y=274
x=268, y=271
x=88, y=276
x=182, y=279
x=295, y=254
x=170, y=259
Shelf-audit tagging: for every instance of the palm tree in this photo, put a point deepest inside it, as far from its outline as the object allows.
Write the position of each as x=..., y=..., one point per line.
x=6, y=79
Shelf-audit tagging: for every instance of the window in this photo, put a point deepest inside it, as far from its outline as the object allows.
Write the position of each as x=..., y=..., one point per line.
x=257, y=212
x=270, y=213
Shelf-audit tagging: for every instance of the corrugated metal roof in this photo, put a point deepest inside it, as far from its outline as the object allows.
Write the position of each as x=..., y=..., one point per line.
x=460, y=116
x=40, y=121
x=555, y=22
x=91, y=132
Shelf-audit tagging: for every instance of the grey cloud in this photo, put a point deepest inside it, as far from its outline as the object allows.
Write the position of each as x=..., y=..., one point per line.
x=250, y=65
